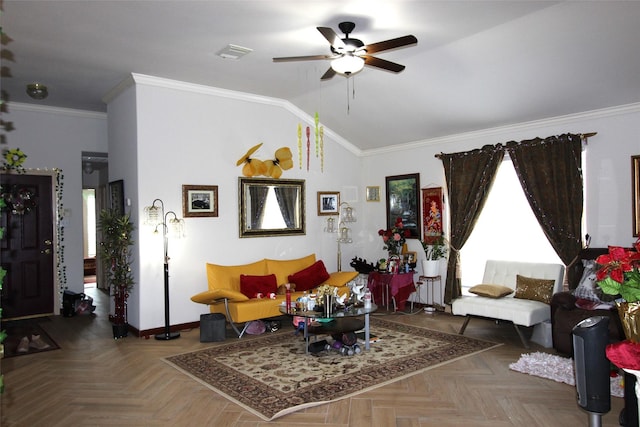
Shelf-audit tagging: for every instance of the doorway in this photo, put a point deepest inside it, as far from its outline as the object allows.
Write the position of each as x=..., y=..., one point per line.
x=95, y=178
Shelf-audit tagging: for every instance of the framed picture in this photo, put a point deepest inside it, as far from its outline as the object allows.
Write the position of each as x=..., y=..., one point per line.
x=328, y=203
x=635, y=196
x=403, y=202
x=199, y=200
x=116, y=196
x=410, y=257
x=373, y=194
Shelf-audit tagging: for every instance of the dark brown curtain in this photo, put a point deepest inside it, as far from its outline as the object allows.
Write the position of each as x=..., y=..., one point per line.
x=258, y=195
x=469, y=176
x=550, y=172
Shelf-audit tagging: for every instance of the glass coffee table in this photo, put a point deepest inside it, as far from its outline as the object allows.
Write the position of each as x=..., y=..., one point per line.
x=341, y=321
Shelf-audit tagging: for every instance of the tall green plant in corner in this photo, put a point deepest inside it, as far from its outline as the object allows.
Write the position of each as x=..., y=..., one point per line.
x=115, y=251
x=7, y=165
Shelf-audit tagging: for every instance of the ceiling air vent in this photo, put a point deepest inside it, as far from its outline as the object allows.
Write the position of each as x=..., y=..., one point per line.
x=233, y=51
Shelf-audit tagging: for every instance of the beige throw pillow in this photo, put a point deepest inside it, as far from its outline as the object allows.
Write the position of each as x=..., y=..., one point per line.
x=534, y=289
x=491, y=291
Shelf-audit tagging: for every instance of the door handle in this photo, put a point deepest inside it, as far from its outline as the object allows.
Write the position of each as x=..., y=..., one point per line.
x=46, y=251
x=47, y=242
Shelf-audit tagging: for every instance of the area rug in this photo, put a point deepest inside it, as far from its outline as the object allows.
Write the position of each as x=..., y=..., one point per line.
x=16, y=330
x=271, y=375
x=556, y=368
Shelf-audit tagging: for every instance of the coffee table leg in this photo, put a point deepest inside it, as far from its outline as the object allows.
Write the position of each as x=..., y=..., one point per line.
x=366, y=331
x=306, y=335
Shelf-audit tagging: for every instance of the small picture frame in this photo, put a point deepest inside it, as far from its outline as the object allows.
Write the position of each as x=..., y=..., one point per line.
x=328, y=203
x=116, y=196
x=410, y=257
x=199, y=201
x=373, y=194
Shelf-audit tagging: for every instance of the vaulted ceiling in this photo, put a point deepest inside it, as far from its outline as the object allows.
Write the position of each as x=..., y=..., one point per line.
x=477, y=64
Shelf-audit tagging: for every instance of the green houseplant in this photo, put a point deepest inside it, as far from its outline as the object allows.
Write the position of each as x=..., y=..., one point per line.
x=116, y=254
x=435, y=249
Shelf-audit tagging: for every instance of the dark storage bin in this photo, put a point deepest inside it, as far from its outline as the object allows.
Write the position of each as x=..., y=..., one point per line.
x=213, y=327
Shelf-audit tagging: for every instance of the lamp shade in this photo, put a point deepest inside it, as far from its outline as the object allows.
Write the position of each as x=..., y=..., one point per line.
x=347, y=64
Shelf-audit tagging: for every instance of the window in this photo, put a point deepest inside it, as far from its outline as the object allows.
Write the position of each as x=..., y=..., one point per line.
x=507, y=229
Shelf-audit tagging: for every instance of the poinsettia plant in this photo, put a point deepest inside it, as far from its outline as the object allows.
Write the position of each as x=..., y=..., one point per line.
x=620, y=272
x=395, y=237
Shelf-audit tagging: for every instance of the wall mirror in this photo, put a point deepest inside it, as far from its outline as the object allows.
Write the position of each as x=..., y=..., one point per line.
x=271, y=207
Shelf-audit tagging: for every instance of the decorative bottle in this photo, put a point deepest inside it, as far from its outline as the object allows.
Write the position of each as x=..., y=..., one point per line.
x=367, y=299
x=288, y=299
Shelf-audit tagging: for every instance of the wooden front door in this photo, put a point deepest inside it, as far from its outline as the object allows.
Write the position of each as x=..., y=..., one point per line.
x=27, y=249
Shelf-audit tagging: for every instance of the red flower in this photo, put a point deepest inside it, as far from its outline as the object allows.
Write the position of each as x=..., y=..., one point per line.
x=616, y=263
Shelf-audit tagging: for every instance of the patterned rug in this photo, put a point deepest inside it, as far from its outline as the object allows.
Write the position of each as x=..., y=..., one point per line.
x=272, y=376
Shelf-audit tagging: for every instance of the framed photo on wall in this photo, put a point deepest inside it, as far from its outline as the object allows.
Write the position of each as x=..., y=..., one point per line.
x=635, y=196
x=403, y=201
x=373, y=194
x=116, y=196
x=328, y=202
x=199, y=201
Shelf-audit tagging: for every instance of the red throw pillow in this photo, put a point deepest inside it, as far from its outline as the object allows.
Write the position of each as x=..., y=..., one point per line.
x=253, y=285
x=311, y=277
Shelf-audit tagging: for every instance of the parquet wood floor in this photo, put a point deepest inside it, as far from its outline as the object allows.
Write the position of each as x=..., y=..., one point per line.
x=97, y=381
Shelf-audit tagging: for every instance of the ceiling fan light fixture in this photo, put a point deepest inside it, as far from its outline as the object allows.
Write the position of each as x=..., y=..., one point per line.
x=347, y=65
x=37, y=91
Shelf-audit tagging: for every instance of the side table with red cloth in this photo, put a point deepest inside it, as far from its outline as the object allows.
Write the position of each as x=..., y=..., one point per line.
x=626, y=356
x=399, y=285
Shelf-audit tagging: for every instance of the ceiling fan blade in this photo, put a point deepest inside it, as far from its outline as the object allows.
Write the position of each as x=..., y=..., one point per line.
x=328, y=74
x=302, y=58
x=382, y=63
x=391, y=44
x=331, y=36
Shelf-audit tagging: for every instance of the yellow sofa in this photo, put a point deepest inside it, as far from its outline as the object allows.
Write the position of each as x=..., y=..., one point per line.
x=224, y=295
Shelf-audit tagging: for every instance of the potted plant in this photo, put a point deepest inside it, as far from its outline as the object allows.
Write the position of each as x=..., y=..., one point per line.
x=619, y=274
x=115, y=252
x=435, y=249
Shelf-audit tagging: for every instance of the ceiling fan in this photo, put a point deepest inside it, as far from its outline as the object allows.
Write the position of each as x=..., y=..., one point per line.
x=349, y=56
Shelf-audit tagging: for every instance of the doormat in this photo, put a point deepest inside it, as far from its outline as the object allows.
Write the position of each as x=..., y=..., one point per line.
x=559, y=369
x=26, y=336
x=271, y=376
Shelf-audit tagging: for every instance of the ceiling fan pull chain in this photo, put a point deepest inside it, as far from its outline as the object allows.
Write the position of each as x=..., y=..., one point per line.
x=348, y=105
x=353, y=88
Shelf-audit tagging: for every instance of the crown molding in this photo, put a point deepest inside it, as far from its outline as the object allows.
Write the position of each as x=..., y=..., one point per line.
x=21, y=106
x=520, y=127
x=146, y=80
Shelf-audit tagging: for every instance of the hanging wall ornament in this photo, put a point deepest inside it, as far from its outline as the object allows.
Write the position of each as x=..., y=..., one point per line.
x=321, y=148
x=300, y=145
x=19, y=200
x=308, y=146
x=317, y=121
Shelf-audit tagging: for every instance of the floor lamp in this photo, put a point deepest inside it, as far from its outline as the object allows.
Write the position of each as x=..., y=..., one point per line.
x=155, y=215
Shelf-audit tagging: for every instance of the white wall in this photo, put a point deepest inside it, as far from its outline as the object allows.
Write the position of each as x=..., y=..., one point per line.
x=55, y=138
x=194, y=135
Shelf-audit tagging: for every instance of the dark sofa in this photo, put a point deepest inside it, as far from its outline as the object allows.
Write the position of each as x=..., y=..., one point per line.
x=565, y=315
